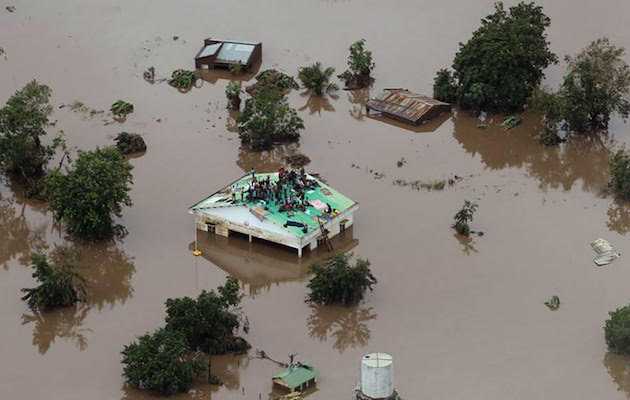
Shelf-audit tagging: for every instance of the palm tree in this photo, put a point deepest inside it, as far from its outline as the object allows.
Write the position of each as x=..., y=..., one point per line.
x=317, y=79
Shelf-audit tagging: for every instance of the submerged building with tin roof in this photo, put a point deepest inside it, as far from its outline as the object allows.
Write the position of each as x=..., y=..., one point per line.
x=291, y=208
x=406, y=106
x=217, y=53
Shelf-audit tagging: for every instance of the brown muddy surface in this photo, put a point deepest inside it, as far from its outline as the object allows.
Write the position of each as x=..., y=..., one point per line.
x=463, y=319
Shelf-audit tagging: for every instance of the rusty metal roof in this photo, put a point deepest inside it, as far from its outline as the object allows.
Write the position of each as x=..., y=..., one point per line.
x=404, y=104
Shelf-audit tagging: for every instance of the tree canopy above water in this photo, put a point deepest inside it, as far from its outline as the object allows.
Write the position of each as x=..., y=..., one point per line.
x=497, y=69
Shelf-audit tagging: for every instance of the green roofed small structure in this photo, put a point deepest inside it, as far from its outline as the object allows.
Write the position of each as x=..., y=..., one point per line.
x=291, y=208
x=298, y=376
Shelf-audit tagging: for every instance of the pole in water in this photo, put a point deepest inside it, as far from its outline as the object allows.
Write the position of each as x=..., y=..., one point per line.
x=196, y=251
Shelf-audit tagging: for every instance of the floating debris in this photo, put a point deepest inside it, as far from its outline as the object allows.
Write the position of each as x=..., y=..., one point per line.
x=3, y=53
x=605, y=252
x=121, y=108
x=553, y=303
x=149, y=75
x=511, y=122
x=10, y=9
x=400, y=163
x=406, y=106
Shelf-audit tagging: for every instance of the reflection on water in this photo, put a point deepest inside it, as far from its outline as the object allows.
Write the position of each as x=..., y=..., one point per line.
x=468, y=244
x=317, y=104
x=17, y=238
x=268, y=160
x=65, y=323
x=227, y=369
x=259, y=265
x=359, y=99
x=618, y=368
x=107, y=271
x=583, y=158
x=427, y=127
x=619, y=217
x=347, y=326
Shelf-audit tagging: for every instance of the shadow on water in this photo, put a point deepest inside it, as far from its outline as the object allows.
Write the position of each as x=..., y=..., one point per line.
x=467, y=243
x=17, y=237
x=347, y=327
x=618, y=217
x=260, y=264
x=358, y=98
x=618, y=368
x=583, y=158
x=108, y=273
x=430, y=126
x=268, y=160
x=317, y=104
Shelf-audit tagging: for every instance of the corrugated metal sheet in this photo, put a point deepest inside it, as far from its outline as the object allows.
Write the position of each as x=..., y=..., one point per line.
x=405, y=105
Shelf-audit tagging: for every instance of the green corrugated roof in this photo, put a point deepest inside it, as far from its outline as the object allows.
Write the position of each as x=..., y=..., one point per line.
x=296, y=375
x=323, y=193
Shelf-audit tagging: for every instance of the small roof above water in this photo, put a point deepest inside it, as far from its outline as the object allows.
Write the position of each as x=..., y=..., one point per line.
x=296, y=375
x=209, y=50
x=406, y=105
x=235, y=52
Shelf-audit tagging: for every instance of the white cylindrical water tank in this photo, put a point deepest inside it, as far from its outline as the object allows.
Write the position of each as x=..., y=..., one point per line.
x=377, y=375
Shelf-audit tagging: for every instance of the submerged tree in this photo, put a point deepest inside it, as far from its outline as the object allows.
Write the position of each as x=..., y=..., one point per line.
x=161, y=362
x=209, y=323
x=619, y=166
x=267, y=119
x=273, y=79
x=182, y=79
x=91, y=193
x=552, y=107
x=121, y=108
x=233, y=94
x=464, y=217
x=129, y=143
x=617, y=331
x=503, y=62
x=360, y=66
x=23, y=120
x=596, y=85
x=445, y=86
x=316, y=79
x=59, y=285
x=338, y=282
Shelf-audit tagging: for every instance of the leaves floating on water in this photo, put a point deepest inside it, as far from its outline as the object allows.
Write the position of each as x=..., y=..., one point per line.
x=121, y=108
x=511, y=122
x=553, y=303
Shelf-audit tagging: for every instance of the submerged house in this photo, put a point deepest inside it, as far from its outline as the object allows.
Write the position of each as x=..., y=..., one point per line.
x=227, y=53
x=294, y=209
x=298, y=376
x=406, y=106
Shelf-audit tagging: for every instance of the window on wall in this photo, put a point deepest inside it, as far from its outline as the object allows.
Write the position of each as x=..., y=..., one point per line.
x=212, y=228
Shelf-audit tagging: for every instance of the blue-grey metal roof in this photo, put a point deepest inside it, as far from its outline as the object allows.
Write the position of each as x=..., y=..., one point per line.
x=209, y=50
x=235, y=52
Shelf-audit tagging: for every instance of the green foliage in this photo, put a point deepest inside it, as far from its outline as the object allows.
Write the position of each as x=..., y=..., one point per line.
x=338, y=282
x=497, y=69
x=445, y=86
x=59, y=285
x=160, y=362
x=91, y=192
x=209, y=322
x=617, y=330
x=360, y=66
x=128, y=143
x=23, y=120
x=552, y=106
x=233, y=94
x=619, y=166
x=553, y=303
x=596, y=85
x=267, y=118
x=511, y=121
x=464, y=217
x=233, y=89
x=317, y=79
x=121, y=108
x=272, y=78
x=182, y=79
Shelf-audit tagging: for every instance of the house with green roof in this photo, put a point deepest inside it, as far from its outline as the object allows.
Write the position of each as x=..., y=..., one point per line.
x=293, y=209
x=298, y=376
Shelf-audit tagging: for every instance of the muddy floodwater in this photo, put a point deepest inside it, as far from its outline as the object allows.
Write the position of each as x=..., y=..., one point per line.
x=463, y=319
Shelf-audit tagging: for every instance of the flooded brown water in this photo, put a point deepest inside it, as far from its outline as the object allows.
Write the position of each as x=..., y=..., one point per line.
x=463, y=319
